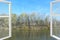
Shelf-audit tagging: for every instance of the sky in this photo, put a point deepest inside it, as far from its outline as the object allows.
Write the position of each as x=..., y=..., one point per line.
x=29, y=6
x=41, y=6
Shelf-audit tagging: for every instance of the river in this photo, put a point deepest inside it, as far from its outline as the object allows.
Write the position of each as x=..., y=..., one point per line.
x=31, y=35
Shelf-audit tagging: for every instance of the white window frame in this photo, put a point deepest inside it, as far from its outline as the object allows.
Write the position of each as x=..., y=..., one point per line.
x=51, y=15
x=9, y=17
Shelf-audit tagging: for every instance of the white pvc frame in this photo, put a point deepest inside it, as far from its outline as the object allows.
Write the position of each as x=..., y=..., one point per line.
x=52, y=14
x=9, y=4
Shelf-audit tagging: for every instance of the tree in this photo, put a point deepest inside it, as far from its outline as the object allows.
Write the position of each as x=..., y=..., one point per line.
x=22, y=19
x=47, y=20
x=14, y=19
x=32, y=18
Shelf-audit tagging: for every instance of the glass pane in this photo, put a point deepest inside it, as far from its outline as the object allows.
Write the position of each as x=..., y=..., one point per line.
x=56, y=25
x=4, y=27
x=4, y=9
x=56, y=8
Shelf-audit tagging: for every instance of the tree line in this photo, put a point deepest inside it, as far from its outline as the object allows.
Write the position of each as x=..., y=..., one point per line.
x=24, y=19
x=29, y=20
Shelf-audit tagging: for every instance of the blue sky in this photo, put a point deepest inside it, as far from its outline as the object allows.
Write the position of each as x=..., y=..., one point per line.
x=3, y=8
x=28, y=6
x=42, y=6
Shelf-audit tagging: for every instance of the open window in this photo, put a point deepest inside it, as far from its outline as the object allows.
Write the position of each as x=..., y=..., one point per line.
x=55, y=19
x=5, y=19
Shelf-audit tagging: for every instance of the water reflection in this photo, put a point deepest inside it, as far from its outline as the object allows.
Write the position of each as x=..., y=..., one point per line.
x=31, y=35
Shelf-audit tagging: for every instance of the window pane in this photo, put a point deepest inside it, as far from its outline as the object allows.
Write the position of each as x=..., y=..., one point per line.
x=4, y=27
x=56, y=8
x=4, y=9
x=56, y=25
